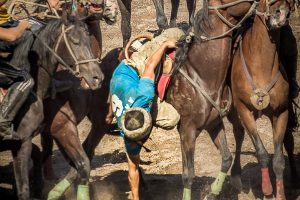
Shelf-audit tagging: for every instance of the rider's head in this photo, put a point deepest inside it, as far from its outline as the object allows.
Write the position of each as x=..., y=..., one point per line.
x=136, y=123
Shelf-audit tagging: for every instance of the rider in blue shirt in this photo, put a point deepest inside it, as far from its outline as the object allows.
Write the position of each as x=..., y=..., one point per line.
x=129, y=89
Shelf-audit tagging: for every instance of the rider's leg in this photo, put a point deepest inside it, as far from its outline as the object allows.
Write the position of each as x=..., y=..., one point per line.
x=133, y=175
x=288, y=56
x=14, y=98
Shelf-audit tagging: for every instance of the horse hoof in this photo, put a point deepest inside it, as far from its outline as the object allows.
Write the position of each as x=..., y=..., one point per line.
x=210, y=197
x=236, y=182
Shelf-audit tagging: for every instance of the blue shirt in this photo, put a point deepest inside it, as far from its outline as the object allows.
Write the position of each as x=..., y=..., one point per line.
x=128, y=90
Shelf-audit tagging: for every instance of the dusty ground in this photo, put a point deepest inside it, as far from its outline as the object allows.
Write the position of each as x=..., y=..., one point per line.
x=162, y=166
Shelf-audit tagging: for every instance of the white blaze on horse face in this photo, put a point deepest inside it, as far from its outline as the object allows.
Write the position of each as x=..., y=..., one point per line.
x=117, y=105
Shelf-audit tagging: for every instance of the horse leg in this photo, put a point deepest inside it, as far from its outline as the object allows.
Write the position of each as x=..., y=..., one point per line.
x=187, y=140
x=249, y=123
x=289, y=143
x=64, y=131
x=218, y=136
x=191, y=5
x=99, y=127
x=289, y=146
x=174, y=11
x=36, y=174
x=21, y=157
x=161, y=19
x=47, y=145
x=279, y=127
x=239, y=134
x=30, y=118
x=125, y=9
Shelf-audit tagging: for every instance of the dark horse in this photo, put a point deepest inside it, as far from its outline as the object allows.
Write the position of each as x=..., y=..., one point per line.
x=161, y=19
x=42, y=64
x=260, y=86
x=68, y=110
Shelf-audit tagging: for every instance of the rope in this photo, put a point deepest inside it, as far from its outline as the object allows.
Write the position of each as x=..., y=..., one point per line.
x=248, y=14
x=60, y=60
x=222, y=112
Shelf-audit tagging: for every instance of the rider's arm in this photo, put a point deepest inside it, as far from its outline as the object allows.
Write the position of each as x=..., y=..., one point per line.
x=154, y=60
x=3, y=2
x=53, y=3
x=14, y=33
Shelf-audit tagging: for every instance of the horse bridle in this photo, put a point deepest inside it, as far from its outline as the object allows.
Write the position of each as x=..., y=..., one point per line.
x=226, y=21
x=77, y=62
x=266, y=14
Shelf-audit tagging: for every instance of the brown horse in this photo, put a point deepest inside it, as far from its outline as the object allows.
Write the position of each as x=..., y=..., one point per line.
x=199, y=90
x=260, y=86
x=161, y=19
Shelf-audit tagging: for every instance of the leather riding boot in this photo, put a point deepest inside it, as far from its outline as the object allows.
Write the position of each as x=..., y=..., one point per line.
x=60, y=86
x=12, y=102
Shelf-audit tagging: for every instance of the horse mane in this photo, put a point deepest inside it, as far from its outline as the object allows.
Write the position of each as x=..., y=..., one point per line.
x=31, y=50
x=201, y=23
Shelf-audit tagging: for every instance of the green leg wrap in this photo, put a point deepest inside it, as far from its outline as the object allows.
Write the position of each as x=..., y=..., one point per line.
x=58, y=190
x=83, y=192
x=216, y=187
x=187, y=193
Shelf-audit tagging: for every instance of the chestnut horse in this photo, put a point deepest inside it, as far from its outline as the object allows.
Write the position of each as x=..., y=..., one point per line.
x=260, y=86
x=161, y=19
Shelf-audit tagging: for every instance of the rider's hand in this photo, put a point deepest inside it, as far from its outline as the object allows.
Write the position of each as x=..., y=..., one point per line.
x=170, y=44
x=54, y=4
x=24, y=24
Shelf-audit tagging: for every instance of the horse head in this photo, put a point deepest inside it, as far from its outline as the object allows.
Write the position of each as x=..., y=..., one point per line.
x=275, y=12
x=74, y=47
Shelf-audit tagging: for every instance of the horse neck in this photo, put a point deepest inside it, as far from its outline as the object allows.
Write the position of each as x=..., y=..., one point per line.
x=47, y=63
x=210, y=60
x=259, y=41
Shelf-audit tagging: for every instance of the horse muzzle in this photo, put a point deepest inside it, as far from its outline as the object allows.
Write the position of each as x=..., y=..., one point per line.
x=92, y=83
x=279, y=18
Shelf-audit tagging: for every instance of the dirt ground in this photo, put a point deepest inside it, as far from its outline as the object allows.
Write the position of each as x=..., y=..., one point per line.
x=162, y=166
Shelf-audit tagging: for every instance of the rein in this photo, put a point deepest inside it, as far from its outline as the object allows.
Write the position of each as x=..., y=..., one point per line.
x=225, y=21
x=77, y=62
x=60, y=60
x=222, y=111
